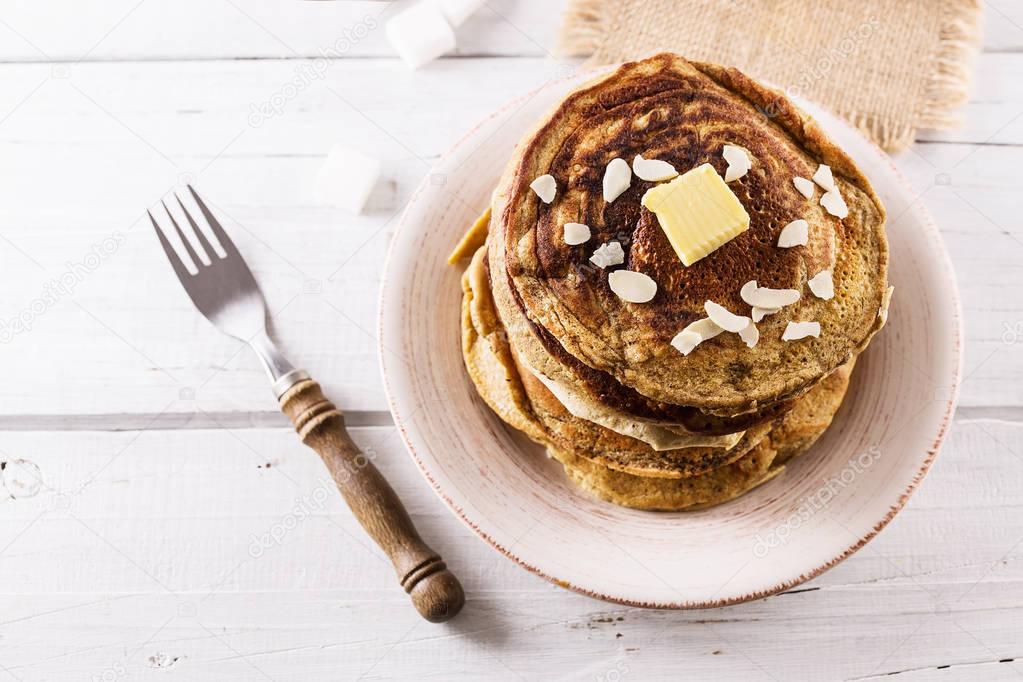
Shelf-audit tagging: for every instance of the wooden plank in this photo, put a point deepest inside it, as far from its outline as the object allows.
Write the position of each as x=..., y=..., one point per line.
x=271, y=29
x=148, y=547
x=274, y=29
x=124, y=341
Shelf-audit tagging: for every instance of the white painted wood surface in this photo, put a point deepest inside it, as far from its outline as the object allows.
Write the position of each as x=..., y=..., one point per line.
x=141, y=556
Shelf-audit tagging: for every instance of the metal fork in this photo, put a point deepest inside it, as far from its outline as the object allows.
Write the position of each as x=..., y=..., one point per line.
x=225, y=291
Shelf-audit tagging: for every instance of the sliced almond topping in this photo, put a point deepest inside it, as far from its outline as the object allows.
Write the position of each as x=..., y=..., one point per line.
x=576, y=233
x=608, y=254
x=617, y=178
x=684, y=342
x=694, y=334
x=634, y=287
x=833, y=202
x=822, y=286
x=886, y=301
x=800, y=330
x=725, y=319
x=738, y=162
x=759, y=314
x=796, y=233
x=762, y=297
x=824, y=178
x=750, y=334
x=804, y=186
x=652, y=169
x=545, y=187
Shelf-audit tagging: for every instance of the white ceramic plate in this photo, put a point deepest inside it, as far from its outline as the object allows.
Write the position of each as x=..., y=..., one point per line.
x=824, y=507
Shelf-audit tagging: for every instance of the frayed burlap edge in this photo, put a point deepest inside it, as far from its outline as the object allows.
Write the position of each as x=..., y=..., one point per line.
x=587, y=23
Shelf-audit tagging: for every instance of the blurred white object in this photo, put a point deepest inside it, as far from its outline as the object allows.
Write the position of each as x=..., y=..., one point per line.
x=346, y=179
x=457, y=11
x=420, y=34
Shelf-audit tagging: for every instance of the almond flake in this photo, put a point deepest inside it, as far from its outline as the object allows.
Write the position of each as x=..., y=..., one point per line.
x=694, y=334
x=634, y=287
x=617, y=178
x=738, y=162
x=767, y=299
x=750, y=334
x=759, y=314
x=824, y=178
x=652, y=170
x=800, y=330
x=725, y=319
x=822, y=286
x=608, y=254
x=796, y=233
x=545, y=187
x=804, y=186
x=576, y=233
x=835, y=204
x=684, y=342
x=886, y=301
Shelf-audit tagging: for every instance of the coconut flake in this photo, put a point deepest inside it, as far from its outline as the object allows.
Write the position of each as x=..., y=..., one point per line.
x=833, y=202
x=576, y=233
x=545, y=187
x=824, y=178
x=652, y=170
x=768, y=299
x=804, y=186
x=822, y=285
x=694, y=334
x=796, y=233
x=617, y=178
x=750, y=334
x=800, y=330
x=738, y=162
x=634, y=287
x=759, y=314
x=723, y=318
x=608, y=254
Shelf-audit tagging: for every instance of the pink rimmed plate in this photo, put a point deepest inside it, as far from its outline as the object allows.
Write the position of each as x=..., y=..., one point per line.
x=824, y=507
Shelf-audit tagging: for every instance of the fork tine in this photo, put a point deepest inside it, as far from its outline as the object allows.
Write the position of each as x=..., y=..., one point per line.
x=218, y=231
x=199, y=265
x=179, y=268
x=210, y=251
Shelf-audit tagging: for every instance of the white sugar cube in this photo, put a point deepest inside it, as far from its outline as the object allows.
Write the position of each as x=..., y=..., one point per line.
x=420, y=34
x=346, y=179
x=457, y=11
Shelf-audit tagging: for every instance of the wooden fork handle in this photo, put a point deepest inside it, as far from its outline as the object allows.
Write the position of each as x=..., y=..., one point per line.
x=435, y=592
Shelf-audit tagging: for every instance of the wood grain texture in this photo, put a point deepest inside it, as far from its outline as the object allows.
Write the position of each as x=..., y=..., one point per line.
x=186, y=543
x=435, y=592
x=219, y=549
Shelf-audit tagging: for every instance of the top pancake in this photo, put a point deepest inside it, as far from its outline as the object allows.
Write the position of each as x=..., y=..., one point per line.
x=682, y=112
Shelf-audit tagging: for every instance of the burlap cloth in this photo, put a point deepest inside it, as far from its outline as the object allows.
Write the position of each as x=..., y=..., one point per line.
x=888, y=66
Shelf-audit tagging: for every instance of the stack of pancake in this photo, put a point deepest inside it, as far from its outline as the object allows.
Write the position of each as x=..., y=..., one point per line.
x=601, y=381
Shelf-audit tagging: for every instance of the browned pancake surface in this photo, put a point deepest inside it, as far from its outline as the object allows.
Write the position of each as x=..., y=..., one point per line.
x=684, y=113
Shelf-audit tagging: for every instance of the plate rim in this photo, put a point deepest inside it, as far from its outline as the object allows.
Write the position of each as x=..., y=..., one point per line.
x=931, y=232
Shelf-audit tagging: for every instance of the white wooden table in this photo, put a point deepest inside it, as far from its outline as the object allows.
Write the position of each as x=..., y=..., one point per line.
x=180, y=530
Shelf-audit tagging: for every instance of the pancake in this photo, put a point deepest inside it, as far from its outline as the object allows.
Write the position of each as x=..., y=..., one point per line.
x=525, y=403
x=619, y=353
x=792, y=436
x=592, y=455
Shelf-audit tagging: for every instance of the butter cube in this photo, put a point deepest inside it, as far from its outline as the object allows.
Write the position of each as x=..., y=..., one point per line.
x=698, y=213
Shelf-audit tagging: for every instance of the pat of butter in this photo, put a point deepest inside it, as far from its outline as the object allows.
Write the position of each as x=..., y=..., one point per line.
x=698, y=212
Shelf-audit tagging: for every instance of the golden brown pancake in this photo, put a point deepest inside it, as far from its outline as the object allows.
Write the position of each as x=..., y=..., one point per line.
x=683, y=112
x=792, y=436
x=606, y=463
x=523, y=402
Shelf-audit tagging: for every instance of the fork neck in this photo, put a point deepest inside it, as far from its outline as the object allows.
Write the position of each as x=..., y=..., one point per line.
x=282, y=373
